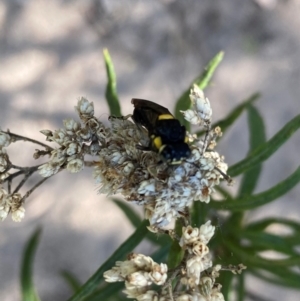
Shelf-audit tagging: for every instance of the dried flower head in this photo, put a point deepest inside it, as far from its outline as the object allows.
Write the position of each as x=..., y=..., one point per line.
x=195, y=236
x=75, y=141
x=201, y=111
x=3, y=160
x=195, y=275
x=138, y=272
x=164, y=190
x=5, y=139
x=11, y=203
x=124, y=167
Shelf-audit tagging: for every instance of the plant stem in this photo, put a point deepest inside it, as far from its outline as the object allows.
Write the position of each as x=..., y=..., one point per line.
x=19, y=137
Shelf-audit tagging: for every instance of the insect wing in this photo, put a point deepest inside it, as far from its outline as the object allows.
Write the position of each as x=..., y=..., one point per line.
x=146, y=113
x=150, y=105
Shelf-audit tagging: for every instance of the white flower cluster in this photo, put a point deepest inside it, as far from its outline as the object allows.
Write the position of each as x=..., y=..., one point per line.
x=122, y=168
x=201, y=112
x=75, y=140
x=5, y=141
x=194, y=296
x=186, y=183
x=138, y=272
x=11, y=203
x=164, y=190
x=195, y=240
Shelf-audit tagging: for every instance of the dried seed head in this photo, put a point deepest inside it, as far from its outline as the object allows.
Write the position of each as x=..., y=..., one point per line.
x=164, y=190
x=5, y=139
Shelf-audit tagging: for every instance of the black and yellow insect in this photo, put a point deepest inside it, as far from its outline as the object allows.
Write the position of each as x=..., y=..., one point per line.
x=167, y=135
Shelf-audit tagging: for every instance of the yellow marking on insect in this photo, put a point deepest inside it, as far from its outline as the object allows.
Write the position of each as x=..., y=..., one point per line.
x=176, y=162
x=161, y=149
x=157, y=142
x=165, y=116
x=186, y=139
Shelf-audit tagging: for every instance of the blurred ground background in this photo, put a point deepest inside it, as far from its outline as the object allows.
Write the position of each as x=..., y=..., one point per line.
x=51, y=54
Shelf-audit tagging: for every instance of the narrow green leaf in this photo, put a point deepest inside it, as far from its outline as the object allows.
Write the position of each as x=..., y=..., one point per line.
x=198, y=213
x=293, y=226
x=241, y=287
x=161, y=254
x=28, y=290
x=263, y=224
x=176, y=252
x=269, y=242
x=257, y=137
x=264, y=151
x=245, y=255
x=183, y=103
x=256, y=128
x=129, y=212
x=160, y=240
x=293, y=239
x=175, y=255
x=235, y=221
x=250, y=178
x=257, y=297
x=226, y=280
x=111, y=93
x=223, y=192
x=225, y=123
x=136, y=221
x=72, y=280
x=279, y=276
x=109, y=290
x=250, y=202
x=92, y=284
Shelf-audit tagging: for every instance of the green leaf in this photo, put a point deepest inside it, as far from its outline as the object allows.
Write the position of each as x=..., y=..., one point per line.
x=176, y=252
x=28, y=290
x=293, y=226
x=136, y=221
x=223, y=192
x=160, y=240
x=129, y=212
x=267, y=149
x=175, y=255
x=183, y=103
x=225, y=123
x=268, y=241
x=241, y=287
x=279, y=276
x=198, y=213
x=256, y=128
x=161, y=254
x=111, y=93
x=109, y=290
x=245, y=254
x=257, y=137
x=92, y=284
x=263, y=224
x=226, y=280
x=250, y=202
x=72, y=280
